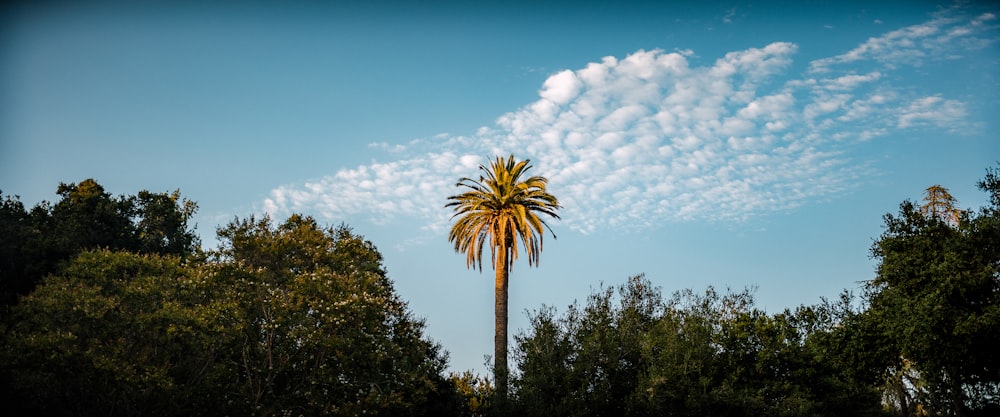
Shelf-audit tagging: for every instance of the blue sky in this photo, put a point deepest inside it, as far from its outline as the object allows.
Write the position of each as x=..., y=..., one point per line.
x=724, y=143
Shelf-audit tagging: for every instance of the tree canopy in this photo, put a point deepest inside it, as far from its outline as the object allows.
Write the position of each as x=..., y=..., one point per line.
x=935, y=303
x=292, y=319
x=630, y=352
x=86, y=217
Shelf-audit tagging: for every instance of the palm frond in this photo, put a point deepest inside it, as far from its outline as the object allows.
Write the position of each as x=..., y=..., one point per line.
x=504, y=208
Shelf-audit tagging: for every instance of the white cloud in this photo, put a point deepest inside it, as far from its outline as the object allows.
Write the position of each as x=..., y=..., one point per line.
x=943, y=37
x=932, y=110
x=850, y=81
x=656, y=137
x=560, y=88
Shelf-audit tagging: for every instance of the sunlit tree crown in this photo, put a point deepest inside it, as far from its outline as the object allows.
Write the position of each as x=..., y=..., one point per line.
x=504, y=207
x=939, y=203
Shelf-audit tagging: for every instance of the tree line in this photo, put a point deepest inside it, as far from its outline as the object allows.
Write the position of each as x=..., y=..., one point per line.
x=111, y=307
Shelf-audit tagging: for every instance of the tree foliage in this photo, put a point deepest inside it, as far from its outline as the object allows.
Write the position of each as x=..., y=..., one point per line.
x=627, y=352
x=935, y=305
x=119, y=334
x=16, y=253
x=86, y=217
x=290, y=319
x=476, y=394
x=503, y=207
x=323, y=332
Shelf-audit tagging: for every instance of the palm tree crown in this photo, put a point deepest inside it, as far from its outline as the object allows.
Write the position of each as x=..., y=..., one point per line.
x=501, y=207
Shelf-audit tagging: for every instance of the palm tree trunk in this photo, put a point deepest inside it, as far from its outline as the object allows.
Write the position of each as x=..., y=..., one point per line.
x=500, y=370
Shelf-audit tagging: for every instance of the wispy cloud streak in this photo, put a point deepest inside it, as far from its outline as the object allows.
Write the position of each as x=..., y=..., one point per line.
x=655, y=137
x=945, y=36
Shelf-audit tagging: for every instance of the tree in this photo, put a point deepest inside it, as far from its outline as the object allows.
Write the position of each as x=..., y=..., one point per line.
x=853, y=356
x=321, y=330
x=936, y=302
x=474, y=393
x=15, y=243
x=590, y=360
x=120, y=334
x=288, y=319
x=88, y=217
x=939, y=203
x=628, y=352
x=162, y=223
x=39, y=242
x=503, y=207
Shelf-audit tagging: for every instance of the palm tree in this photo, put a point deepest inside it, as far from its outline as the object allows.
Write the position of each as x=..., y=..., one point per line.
x=502, y=207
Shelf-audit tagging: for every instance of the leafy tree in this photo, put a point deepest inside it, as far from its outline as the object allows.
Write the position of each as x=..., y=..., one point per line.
x=590, y=360
x=936, y=302
x=322, y=331
x=503, y=207
x=87, y=217
x=162, y=223
x=119, y=334
x=847, y=356
x=716, y=354
x=16, y=231
x=777, y=365
x=291, y=319
x=628, y=352
x=475, y=393
x=682, y=352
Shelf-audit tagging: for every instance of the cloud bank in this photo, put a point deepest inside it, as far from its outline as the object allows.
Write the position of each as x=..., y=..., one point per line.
x=654, y=137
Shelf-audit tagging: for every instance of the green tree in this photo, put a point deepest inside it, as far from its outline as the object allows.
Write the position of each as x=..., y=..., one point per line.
x=590, y=360
x=86, y=217
x=321, y=330
x=119, y=334
x=474, y=392
x=936, y=302
x=846, y=356
x=682, y=350
x=161, y=224
x=292, y=319
x=16, y=235
x=627, y=352
x=497, y=210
